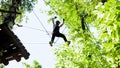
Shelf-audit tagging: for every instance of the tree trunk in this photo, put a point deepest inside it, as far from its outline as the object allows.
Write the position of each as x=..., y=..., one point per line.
x=10, y=17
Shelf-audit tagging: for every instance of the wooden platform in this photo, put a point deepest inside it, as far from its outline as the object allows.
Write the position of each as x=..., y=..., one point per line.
x=11, y=47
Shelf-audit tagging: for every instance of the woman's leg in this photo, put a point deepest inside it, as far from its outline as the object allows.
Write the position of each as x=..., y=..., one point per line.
x=53, y=37
x=52, y=40
x=63, y=36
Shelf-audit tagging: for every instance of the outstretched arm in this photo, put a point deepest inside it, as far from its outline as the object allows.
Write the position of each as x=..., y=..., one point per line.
x=53, y=20
x=62, y=23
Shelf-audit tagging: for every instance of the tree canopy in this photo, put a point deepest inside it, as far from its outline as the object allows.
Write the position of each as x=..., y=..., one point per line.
x=34, y=65
x=89, y=48
x=11, y=12
x=22, y=7
x=2, y=66
x=99, y=45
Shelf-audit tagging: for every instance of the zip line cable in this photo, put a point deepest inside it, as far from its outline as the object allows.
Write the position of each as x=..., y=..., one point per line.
x=35, y=28
x=41, y=43
x=41, y=23
x=50, y=32
x=35, y=43
x=32, y=28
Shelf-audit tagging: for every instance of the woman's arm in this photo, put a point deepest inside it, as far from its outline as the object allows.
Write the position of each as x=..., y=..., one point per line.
x=53, y=20
x=62, y=23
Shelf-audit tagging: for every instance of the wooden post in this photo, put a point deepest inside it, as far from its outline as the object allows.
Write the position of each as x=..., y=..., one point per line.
x=11, y=16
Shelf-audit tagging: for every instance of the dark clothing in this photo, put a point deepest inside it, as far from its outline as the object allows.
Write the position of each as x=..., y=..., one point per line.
x=56, y=33
x=56, y=29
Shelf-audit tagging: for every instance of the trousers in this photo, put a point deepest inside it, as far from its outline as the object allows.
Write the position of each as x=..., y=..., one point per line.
x=58, y=35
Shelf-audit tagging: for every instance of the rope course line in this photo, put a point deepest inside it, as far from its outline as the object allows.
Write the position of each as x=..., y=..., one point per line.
x=35, y=43
x=41, y=23
x=34, y=28
x=50, y=32
x=39, y=43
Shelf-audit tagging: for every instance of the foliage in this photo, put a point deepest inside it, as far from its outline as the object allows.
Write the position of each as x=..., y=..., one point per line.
x=35, y=65
x=2, y=66
x=23, y=6
x=88, y=50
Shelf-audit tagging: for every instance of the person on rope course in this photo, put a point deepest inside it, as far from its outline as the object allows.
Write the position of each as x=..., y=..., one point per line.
x=56, y=32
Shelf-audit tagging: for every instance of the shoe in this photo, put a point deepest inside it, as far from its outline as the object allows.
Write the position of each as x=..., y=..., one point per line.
x=50, y=43
x=68, y=42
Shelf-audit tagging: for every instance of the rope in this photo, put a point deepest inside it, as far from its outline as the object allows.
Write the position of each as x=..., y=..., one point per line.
x=35, y=28
x=41, y=23
x=35, y=43
x=39, y=43
x=32, y=28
